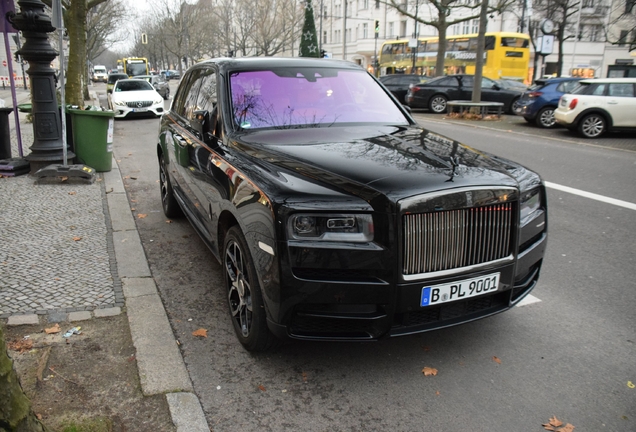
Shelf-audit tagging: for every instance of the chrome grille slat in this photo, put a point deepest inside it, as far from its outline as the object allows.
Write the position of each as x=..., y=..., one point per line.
x=139, y=104
x=444, y=240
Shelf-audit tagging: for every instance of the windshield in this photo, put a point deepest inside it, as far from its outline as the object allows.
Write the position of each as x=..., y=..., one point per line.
x=132, y=85
x=135, y=69
x=301, y=97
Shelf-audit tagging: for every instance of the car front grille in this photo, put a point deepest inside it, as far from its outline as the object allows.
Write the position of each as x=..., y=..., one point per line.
x=139, y=104
x=445, y=240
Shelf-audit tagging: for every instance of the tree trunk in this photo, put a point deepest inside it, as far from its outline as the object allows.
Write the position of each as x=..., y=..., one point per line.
x=15, y=408
x=76, y=26
x=441, y=53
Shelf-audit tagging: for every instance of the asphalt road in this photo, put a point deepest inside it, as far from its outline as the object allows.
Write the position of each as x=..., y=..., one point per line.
x=570, y=354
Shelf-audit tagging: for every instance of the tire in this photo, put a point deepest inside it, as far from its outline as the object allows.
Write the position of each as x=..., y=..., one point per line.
x=545, y=118
x=167, y=96
x=515, y=107
x=437, y=104
x=245, y=301
x=168, y=201
x=592, y=125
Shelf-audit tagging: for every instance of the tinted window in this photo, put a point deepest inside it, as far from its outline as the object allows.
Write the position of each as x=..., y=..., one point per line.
x=133, y=85
x=294, y=97
x=207, y=98
x=186, y=104
x=468, y=81
x=444, y=81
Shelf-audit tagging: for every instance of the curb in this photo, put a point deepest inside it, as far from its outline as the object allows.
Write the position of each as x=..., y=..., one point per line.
x=159, y=361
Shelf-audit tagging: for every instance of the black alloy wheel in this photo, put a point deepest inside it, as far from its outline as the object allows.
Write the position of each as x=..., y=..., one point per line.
x=515, y=106
x=168, y=201
x=244, y=296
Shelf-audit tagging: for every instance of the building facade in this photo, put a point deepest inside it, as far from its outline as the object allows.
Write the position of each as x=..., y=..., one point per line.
x=601, y=33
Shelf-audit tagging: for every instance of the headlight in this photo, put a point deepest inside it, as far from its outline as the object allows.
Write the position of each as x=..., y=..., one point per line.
x=157, y=101
x=356, y=228
x=119, y=103
x=530, y=203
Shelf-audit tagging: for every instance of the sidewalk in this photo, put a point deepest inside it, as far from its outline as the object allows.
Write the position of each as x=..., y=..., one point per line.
x=71, y=253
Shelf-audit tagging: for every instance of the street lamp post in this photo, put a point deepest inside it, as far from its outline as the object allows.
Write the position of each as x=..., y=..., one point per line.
x=48, y=144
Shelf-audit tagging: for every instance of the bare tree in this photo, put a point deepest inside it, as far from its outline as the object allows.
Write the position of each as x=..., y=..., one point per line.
x=276, y=25
x=101, y=22
x=439, y=13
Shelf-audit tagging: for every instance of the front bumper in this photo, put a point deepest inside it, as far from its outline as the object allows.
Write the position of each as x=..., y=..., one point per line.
x=125, y=111
x=369, y=307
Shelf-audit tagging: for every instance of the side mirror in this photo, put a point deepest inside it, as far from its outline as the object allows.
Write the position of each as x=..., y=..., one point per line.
x=204, y=123
x=496, y=87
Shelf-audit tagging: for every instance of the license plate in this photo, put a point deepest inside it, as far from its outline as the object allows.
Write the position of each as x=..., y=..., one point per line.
x=459, y=290
x=140, y=109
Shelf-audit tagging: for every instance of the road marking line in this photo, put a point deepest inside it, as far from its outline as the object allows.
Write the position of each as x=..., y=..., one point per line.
x=528, y=300
x=593, y=196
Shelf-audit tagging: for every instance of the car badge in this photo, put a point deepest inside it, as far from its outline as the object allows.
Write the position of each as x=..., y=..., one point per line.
x=140, y=104
x=469, y=198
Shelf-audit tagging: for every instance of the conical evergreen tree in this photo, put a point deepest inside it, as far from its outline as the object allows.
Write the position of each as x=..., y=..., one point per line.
x=308, y=40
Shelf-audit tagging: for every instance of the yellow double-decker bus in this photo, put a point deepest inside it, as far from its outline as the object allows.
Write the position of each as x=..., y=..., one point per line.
x=134, y=66
x=506, y=55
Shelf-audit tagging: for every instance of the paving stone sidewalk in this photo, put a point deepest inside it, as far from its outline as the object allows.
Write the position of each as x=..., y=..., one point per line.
x=56, y=254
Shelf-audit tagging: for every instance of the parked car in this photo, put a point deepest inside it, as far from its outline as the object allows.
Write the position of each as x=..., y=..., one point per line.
x=329, y=208
x=538, y=103
x=170, y=74
x=599, y=105
x=398, y=84
x=159, y=83
x=112, y=79
x=436, y=92
x=132, y=97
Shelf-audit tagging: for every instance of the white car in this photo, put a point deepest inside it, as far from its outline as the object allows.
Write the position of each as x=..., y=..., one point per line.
x=133, y=96
x=99, y=74
x=599, y=105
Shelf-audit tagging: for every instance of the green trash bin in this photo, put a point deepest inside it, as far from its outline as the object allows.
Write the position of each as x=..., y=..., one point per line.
x=93, y=137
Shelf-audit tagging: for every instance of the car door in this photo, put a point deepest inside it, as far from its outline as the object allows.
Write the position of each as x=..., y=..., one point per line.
x=491, y=92
x=181, y=141
x=392, y=84
x=621, y=104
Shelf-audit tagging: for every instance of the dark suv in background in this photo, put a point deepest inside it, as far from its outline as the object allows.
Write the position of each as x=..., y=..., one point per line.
x=436, y=92
x=399, y=84
x=538, y=103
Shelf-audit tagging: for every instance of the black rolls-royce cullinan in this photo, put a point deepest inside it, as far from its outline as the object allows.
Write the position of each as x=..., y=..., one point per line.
x=333, y=214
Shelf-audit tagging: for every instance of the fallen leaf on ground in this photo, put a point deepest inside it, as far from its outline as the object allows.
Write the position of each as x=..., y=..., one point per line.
x=261, y=388
x=72, y=193
x=496, y=359
x=141, y=215
x=630, y=384
x=77, y=238
x=305, y=376
x=553, y=424
x=567, y=428
x=20, y=345
x=54, y=329
x=133, y=178
x=428, y=371
x=64, y=178
x=168, y=221
x=201, y=333
x=437, y=393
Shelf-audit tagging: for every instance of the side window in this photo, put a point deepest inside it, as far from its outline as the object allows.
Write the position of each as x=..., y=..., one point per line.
x=448, y=82
x=568, y=86
x=596, y=90
x=207, y=94
x=187, y=104
x=467, y=81
x=621, y=90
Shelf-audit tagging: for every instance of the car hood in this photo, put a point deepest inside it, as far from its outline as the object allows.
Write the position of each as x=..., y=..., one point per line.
x=139, y=95
x=397, y=162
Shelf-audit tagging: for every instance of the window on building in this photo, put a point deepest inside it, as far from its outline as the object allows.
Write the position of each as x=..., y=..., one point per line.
x=365, y=31
x=377, y=4
x=622, y=40
x=348, y=35
x=402, y=28
x=475, y=26
x=390, y=28
x=588, y=3
x=365, y=4
x=324, y=37
x=465, y=27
